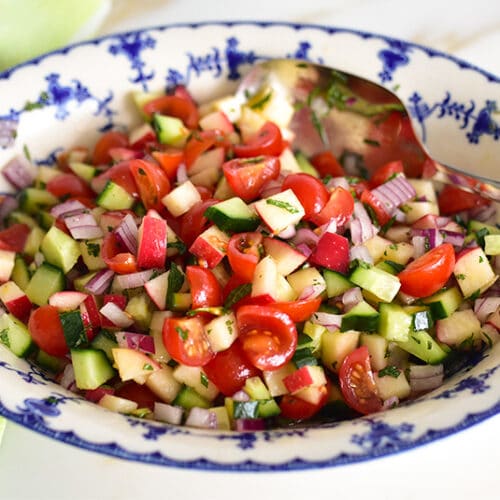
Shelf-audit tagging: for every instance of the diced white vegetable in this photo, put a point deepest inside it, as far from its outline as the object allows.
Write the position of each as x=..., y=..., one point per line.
x=274, y=379
x=162, y=382
x=181, y=198
x=473, y=272
x=222, y=332
x=307, y=281
x=335, y=346
x=416, y=209
x=390, y=387
x=265, y=278
x=117, y=404
x=195, y=377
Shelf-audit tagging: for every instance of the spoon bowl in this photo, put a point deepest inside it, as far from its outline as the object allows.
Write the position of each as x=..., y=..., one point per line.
x=324, y=108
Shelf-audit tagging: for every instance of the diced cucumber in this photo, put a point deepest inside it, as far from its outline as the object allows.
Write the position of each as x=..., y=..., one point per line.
x=421, y=317
x=170, y=130
x=336, y=283
x=18, y=217
x=106, y=342
x=46, y=281
x=20, y=274
x=492, y=244
x=45, y=219
x=389, y=267
x=60, y=249
x=314, y=333
x=92, y=368
x=444, y=303
x=188, y=398
x=80, y=282
x=256, y=389
x=424, y=347
x=140, y=307
x=195, y=377
x=15, y=335
x=33, y=200
x=305, y=165
x=268, y=408
x=52, y=363
x=91, y=254
x=394, y=322
x=475, y=226
x=377, y=347
x=381, y=284
x=33, y=241
x=73, y=329
x=245, y=409
x=114, y=197
x=362, y=317
x=233, y=216
x=83, y=170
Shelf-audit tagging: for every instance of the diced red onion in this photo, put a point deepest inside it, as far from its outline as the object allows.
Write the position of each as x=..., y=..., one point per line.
x=360, y=252
x=86, y=232
x=67, y=207
x=454, y=238
x=68, y=377
x=19, y=172
x=433, y=236
x=361, y=226
x=100, y=282
x=399, y=215
x=39, y=259
x=312, y=291
x=272, y=187
x=494, y=320
x=351, y=297
x=134, y=280
x=2, y=310
x=484, y=214
x=250, y=424
x=390, y=403
x=420, y=385
x=201, y=418
x=127, y=233
x=304, y=249
x=168, y=413
x=9, y=204
x=424, y=378
x=182, y=175
x=328, y=320
x=483, y=307
x=305, y=236
x=419, y=245
x=8, y=132
x=116, y=315
x=240, y=396
x=288, y=233
x=425, y=371
x=136, y=341
x=337, y=182
x=394, y=193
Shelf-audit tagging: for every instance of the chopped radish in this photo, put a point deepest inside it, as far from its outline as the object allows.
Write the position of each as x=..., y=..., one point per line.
x=15, y=300
x=67, y=300
x=210, y=246
x=152, y=242
x=132, y=364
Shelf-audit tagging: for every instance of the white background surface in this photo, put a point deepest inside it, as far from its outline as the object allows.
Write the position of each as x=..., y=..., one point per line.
x=462, y=466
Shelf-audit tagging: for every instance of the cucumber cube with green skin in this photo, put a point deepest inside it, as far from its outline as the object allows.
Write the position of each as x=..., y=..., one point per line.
x=492, y=244
x=170, y=130
x=32, y=200
x=92, y=368
x=114, y=197
x=444, y=303
x=383, y=285
x=424, y=347
x=362, y=317
x=46, y=281
x=60, y=249
x=188, y=398
x=394, y=322
x=256, y=389
x=15, y=335
x=233, y=215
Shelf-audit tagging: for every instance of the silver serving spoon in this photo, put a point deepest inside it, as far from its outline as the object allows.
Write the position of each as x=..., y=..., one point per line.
x=325, y=108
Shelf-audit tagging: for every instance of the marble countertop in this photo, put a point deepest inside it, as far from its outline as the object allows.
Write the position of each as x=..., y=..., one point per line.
x=461, y=466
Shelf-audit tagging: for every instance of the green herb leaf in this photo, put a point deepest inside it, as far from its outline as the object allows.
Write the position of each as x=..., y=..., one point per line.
x=390, y=371
x=174, y=282
x=283, y=204
x=236, y=294
x=203, y=379
x=93, y=248
x=183, y=334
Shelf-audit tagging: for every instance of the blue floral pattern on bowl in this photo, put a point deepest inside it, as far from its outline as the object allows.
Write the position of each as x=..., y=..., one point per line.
x=213, y=58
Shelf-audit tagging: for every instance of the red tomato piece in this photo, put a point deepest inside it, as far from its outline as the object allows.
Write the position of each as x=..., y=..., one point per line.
x=243, y=253
x=141, y=394
x=194, y=222
x=120, y=174
x=310, y=191
x=205, y=289
x=340, y=206
x=116, y=258
x=429, y=272
x=298, y=310
x=174, y=105
x=247, y=176
x=202, y=141
x=267, y=141
x=186, y=341
x=452, y=199
x=268, y=336
x=377, y=207
x=326, y=164
x=357, y=383
x=169, y=160
x=107, y=141
x=152, y=182
x=66, y=185
x=297, y=409
x=229, y=369
x=14, y=237
x=46, y=330
x=385, y=172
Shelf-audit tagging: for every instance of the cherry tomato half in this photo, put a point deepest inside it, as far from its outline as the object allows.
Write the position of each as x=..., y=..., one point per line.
x=309, y=190
x=152, y=182
x=243, y=253
x=107, y=141
x=46, y=330
x=268, y=336
x=229, y=369
x=452, y=199
x=194, y=222
x=297, y=409
x=174, y=105
x=66, y=185
x=186, y=341
x=120, y=174
x=247, y=176
x=340, y=206
x=385, y=172
x=368, y=198
x=14, y=237
x=326, y=164
x=205, y=289
x=357, y=383
x=429, y=272
x=267, y=141
x=116, y=257
x=298, y=310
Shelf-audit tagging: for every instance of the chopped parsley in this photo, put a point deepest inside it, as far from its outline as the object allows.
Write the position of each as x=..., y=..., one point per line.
x=148, y=367
x=371, y=142
x=203, y=380
x=141, y=171
x=284, y=205
x=236, y=294
x=460, y=276
x=93, y=249
x=183, y=333
x=4, y=337
x=179, y=245
x=389, y=371
x=229, y=325
x=261, y=103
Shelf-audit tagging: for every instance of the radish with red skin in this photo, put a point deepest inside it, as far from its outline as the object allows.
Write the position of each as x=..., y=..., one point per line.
x=15, y=300
x=152, y=242
x=332, y=252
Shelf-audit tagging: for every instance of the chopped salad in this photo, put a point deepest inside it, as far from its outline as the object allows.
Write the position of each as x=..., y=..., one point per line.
x=200, y=270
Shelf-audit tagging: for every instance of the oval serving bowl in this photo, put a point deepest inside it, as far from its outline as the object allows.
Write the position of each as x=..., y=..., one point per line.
x=70, y=96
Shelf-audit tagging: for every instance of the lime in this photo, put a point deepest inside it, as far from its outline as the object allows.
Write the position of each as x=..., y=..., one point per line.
x=32, y=27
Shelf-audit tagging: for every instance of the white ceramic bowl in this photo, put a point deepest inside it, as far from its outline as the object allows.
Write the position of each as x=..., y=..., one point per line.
x=70, y=96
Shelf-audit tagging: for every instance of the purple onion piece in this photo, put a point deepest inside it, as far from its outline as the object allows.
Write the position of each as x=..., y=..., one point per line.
x=100, y=283
x=19, y=172
x=250, y=424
